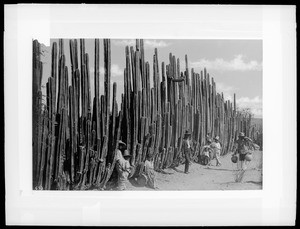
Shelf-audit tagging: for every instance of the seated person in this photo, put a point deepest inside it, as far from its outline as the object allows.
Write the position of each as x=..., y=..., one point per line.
x=123, y=166
x=205, y=154
x=147, y=177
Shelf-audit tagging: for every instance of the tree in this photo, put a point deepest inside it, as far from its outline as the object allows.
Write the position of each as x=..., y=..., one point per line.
x=253, y=130
x=246, y=112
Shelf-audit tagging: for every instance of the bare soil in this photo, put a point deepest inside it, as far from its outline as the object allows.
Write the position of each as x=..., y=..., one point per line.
x=202, y=177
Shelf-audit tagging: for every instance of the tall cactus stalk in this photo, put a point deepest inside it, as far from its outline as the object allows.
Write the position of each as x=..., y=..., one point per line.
x=97, y=90
x=107, y=72
x=76, y=136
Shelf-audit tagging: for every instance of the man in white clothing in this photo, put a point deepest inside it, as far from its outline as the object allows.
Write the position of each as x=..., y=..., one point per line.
x=216, y=147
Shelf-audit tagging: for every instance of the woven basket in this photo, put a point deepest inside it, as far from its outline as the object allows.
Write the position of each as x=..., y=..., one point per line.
x=142, y=180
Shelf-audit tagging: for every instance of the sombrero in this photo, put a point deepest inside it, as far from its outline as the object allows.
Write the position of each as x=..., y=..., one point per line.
x=122, y=144
x=187, y=134
x=126, y=154
x=241, y=134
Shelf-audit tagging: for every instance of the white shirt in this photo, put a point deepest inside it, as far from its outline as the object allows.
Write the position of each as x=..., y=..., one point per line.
x=216, y=146
x=119, y=155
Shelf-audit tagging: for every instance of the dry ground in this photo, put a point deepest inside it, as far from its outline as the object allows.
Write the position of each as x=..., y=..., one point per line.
x=209, y=178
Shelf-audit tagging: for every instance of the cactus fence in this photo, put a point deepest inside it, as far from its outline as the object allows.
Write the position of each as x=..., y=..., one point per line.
x=75, y=137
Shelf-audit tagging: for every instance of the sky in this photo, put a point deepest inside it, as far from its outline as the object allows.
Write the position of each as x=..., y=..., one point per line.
x=235, y=65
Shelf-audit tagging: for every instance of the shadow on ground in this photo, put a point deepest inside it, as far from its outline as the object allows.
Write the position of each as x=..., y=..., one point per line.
x=134, y=183
x=242, y=182
x=219, y=169
x=255, y=182
x=177, y=170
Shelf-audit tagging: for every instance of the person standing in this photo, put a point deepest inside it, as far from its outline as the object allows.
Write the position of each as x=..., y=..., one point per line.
x=241, y=147
x=122, y=165
x=186, y=146
x=216, y=147
x=121, y=149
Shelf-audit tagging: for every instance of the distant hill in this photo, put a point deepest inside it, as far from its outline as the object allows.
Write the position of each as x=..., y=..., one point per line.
x=256, y=121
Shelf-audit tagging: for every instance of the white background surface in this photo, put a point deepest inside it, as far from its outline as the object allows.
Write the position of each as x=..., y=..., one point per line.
x=274, y=205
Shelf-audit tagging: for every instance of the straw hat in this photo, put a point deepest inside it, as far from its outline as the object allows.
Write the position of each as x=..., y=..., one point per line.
x=241, y=134
x=187, y=134
x=206, y=147
x=149, y=155
x=126, y=154
x=122, y=144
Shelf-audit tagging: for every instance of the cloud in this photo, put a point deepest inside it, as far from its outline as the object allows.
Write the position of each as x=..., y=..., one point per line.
x=255, y=104
x=129, y=42
x=236, y=64
x=227, y=90
x=148, y=43
x=156, y=44
x=116, y=71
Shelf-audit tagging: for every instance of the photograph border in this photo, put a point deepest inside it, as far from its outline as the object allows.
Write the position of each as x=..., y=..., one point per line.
x=274, y=205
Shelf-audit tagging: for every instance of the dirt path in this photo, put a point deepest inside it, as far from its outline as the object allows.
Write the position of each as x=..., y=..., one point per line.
x=210, y=178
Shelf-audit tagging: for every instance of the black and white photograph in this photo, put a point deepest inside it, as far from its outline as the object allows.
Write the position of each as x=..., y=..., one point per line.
x=147, y=114
x=150, y=115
